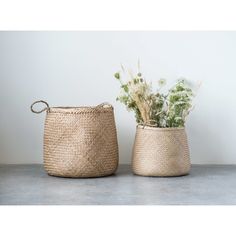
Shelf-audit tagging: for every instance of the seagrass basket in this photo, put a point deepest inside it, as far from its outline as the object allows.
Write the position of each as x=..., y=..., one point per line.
x=160, y=152
x=79, y=141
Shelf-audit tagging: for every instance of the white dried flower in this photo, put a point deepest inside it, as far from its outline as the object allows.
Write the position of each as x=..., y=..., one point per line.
x=162, y=82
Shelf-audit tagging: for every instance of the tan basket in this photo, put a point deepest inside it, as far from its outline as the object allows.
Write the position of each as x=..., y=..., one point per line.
x=80, y=141
x=160, y=152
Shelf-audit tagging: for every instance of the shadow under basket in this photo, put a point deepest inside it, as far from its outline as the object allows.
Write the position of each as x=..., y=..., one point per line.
x=80, y=141
x=160, y=152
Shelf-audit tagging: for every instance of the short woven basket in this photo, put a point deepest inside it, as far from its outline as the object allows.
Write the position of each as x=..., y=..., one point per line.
x=160, y=152
x=80, y=141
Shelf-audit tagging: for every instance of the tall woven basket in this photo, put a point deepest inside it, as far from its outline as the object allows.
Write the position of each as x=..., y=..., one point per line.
x=79, y=141
x=160, y=152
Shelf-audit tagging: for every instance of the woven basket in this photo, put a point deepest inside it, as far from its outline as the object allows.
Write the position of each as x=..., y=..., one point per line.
x=160, y=152
x=80, y=141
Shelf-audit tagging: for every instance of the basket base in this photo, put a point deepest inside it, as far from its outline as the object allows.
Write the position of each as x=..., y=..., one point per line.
x=160, y=173
x=161, y=176
x=80, y=177
x=92, y=173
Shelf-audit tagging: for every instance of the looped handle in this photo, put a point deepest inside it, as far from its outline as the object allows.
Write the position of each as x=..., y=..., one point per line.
x=104, y=105
x=44, y=109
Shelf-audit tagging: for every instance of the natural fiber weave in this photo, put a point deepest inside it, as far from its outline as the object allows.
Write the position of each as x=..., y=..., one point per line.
x=160, y=152
x=80, y=141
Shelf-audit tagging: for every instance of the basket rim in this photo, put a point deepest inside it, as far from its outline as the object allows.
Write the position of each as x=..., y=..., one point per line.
x=79, y=109
x=146, y=127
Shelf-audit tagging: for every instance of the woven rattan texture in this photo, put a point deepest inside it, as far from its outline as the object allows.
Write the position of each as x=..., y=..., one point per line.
x=80, y=142
x=160, y=152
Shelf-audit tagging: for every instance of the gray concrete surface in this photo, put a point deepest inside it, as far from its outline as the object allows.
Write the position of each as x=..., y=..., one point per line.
x=30, y=185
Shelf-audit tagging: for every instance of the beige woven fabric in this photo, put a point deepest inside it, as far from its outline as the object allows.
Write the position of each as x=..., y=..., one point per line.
x=80, y=141
x=160, y=152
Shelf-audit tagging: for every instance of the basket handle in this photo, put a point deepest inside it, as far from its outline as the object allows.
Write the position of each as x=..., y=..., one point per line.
x=104, y=105
x=40, y=111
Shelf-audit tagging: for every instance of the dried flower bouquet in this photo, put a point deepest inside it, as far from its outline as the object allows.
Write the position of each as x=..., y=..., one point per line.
x=156, y=108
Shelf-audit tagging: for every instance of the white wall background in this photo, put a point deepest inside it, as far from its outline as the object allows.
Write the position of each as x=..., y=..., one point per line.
x=76, y=68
